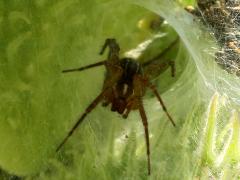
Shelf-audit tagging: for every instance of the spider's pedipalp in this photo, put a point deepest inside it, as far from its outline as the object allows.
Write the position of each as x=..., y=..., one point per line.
x=128, y=110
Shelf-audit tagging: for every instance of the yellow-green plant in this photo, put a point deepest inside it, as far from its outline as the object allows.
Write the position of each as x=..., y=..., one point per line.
x=39, y=104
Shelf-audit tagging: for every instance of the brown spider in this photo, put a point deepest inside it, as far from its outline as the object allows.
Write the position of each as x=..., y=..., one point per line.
x=124, y=86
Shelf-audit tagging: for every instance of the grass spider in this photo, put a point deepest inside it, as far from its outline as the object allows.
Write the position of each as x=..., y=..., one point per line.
x=124, y=86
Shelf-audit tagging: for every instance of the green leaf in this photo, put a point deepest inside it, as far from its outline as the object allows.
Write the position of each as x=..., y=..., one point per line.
x=39, y=105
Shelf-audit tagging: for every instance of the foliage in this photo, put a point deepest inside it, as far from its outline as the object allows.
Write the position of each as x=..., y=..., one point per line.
x=39, y=104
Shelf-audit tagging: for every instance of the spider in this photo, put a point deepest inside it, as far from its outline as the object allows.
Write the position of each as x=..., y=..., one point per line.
x=124, y=86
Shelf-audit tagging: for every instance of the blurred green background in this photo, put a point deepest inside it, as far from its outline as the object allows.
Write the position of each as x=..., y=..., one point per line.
x=39, y=104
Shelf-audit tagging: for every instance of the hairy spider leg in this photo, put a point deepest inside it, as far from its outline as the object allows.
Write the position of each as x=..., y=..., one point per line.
x=113, y=49
x=85, y=67
x=113, y=55
x=139, y=83
x=139, y=91
x=155, y=66
x=112, y=65
x=153, y=69
x=153, y=88
x=94, y=103
x=161, y=55
x=108, y=87
x=145, y=125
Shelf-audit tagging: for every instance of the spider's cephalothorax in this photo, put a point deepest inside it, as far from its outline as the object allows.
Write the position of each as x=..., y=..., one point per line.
x=124, y=86
x=130, y=67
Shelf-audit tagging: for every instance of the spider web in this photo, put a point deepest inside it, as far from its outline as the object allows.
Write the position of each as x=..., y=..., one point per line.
x=212, y=41
x=216, y=56
x=208, y=78
x=223, y=19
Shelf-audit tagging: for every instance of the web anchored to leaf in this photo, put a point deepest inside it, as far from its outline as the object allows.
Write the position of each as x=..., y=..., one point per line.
x=209, y=53
x=223, y=19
